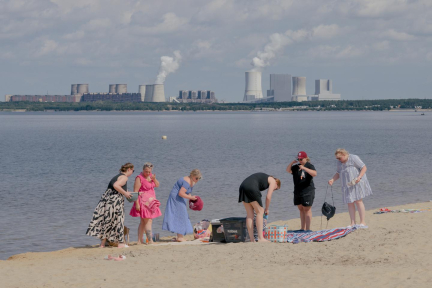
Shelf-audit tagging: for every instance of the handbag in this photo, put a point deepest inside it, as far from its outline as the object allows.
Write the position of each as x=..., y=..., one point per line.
x=327, y=209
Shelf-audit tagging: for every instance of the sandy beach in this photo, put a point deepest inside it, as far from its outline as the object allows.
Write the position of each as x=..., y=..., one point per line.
x=395, y=251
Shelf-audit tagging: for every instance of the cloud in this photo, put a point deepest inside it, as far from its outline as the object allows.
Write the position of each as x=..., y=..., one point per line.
x=48, y=46
x=170, y=23
x=74, y=35
x=398, y=36
x=381, y=46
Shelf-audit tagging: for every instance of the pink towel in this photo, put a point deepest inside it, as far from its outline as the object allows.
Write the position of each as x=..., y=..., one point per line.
x=154, y=205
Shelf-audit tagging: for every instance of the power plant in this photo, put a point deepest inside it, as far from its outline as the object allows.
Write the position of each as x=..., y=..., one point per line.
x=116, y=93
x=253, y=90
x=191, y=96
x=281, y=91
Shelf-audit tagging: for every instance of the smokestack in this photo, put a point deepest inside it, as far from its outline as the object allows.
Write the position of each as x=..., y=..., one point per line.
x=253, y=86
x=299, y=86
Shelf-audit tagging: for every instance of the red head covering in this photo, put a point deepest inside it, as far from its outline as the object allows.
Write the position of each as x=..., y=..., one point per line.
x=197, y=204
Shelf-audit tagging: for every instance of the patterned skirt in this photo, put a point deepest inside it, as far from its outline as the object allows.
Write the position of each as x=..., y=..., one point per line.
x=108, y=218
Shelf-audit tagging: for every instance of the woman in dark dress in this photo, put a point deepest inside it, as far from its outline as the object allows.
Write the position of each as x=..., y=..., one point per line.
x=250, y=195
x=304, y=190
x=108, y=217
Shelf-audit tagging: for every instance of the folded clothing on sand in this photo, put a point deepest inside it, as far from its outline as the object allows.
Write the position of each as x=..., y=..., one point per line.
x=387, y=210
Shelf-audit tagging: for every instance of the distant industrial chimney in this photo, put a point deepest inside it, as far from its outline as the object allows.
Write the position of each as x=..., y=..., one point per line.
x=253, y=88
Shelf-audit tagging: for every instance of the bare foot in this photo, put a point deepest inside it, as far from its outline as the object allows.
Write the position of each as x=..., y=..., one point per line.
x=263, y=240
x=150, y=242
x=181, y=240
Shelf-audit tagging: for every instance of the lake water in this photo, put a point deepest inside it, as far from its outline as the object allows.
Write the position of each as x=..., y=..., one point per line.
x=55, y=166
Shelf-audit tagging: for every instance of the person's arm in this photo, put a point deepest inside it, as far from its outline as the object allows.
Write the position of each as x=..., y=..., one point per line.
x=289, y=168
x=155, y=180
x=121, y=181
x=272, y=186
x=311, y=172
x=335, y=177
x=362, y=172
x=182, y=193
x=137, y=186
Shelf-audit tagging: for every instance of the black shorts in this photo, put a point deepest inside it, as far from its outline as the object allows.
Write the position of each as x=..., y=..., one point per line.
x=305, y=200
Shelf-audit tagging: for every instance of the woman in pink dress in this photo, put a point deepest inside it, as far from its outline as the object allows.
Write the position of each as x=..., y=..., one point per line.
x=147, y=206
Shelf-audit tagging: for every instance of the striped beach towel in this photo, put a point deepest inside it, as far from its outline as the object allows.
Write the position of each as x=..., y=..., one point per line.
x=317, y=236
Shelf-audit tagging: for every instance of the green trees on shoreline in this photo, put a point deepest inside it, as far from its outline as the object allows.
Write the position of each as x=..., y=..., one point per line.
x=373, y=105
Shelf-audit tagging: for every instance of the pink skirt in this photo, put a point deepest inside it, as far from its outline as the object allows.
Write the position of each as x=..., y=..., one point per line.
x=148, y=209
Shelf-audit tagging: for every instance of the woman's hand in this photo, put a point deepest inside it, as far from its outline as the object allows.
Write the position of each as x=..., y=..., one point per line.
x=128, y=195
x=137, y=206
x=266, y=211
x=193, y=198
x=330, y=182
x=301, y=167
x=153, y=177
x=357, y=180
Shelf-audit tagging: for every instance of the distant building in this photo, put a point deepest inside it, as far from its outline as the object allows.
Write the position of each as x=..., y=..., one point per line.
x=323, y=91
x=124, y=97
x=280, y=87
x=200, y=96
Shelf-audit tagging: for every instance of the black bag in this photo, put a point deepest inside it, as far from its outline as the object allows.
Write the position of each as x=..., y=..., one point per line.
x=328, y=210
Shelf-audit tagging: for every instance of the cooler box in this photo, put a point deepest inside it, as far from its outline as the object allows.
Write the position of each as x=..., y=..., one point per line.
x=217, y=231
x=235, y=229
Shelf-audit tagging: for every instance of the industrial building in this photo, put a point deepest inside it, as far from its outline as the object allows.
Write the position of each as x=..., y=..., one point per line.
x=117, y=93
x=280, y=89
x=200, y=96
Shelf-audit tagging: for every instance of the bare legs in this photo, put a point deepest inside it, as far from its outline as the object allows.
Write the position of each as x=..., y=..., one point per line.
x=305, y=216
x=250, y=207
x=103, y=241
x=360, y=209
x=145, y=226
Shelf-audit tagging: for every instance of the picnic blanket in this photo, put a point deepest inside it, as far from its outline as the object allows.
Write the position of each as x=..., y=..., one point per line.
x=317, y=236
x=387, y=210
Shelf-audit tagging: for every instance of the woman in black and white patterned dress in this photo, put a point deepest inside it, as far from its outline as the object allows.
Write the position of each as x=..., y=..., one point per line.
x=108, y=217
x=355, y=185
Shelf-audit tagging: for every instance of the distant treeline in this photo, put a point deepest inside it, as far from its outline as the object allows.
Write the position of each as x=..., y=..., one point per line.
x=146, y=106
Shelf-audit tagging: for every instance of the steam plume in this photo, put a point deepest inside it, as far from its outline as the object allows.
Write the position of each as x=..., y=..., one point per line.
x=168, y=65
x=277, y=42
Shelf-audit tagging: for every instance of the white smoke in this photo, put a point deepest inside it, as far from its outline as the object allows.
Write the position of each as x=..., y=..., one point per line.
x=277, y=42
x=168, y=65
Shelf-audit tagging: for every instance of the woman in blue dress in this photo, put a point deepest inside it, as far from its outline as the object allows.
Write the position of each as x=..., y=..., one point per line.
x=176, y=218
x=355, y=185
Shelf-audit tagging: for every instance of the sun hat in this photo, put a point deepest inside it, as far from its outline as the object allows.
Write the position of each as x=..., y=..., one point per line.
x=301, y=155
x=133, y=198
x=197, y=204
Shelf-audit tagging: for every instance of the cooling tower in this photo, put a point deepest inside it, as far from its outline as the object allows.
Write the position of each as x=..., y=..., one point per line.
x=82, y=88
x=112, y=88
x=299, y=85
x=158, y=93
x=74, y=89
x=141, y=90
x=253, y=86
x=121, y=88
x=148, y=93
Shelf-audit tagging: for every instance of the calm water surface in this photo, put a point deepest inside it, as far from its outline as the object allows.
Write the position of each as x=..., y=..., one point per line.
x=55, y=166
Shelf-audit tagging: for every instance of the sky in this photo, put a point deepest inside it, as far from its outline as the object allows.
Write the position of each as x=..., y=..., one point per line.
x=370, y=49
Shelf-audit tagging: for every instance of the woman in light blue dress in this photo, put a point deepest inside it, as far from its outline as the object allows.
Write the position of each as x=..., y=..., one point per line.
x=176, y=218
x=355, y=185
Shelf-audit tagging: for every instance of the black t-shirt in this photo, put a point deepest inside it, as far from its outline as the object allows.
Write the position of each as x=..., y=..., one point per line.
x=303, y=185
